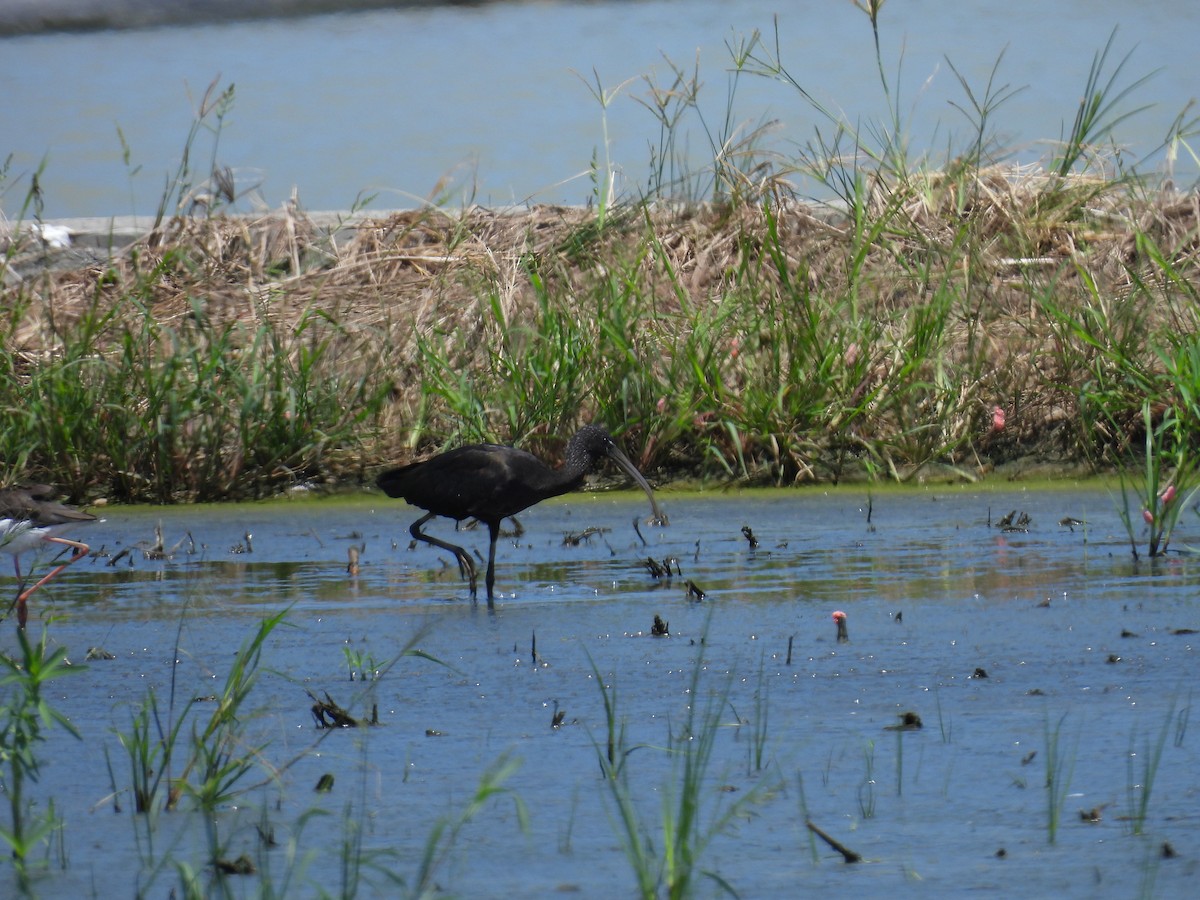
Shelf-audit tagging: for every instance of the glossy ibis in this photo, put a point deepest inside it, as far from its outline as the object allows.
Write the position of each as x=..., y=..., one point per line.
x=490, y=483
x=30, y=517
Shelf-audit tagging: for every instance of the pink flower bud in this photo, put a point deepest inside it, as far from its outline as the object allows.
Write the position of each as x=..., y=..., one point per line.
x=998, y=419
x=1148, y=516
x=1167, y=495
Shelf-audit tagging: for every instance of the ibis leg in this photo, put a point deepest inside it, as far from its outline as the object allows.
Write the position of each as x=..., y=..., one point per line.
x=465, y=566
x=493, y=533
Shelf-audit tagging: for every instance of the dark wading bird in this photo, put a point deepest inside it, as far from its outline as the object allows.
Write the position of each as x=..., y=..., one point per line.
x=490, y=483
x=30, y=517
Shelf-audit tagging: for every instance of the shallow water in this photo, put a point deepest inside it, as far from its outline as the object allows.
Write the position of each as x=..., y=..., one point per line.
x=932, y=594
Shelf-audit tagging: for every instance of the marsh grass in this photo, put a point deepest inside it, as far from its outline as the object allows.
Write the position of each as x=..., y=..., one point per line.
x=27, y=717
x=688, y=821
x=1139, y=783
x=743, y=334
x=1059, y=767
x=202, y=768
x=866, y=788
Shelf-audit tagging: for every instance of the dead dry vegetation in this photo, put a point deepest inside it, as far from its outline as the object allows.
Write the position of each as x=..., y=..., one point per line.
x=775, y=341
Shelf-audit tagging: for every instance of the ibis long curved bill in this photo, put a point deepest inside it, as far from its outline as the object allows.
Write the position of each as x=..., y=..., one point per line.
x=658, y=517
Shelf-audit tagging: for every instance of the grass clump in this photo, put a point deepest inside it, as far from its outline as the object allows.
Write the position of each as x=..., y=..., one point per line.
x=25, y=718
x=667, y=853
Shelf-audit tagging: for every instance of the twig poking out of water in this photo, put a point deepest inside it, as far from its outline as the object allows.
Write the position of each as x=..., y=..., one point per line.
x=843, y=634
x=1070, y=522
x=120, y=556
x=791, y=637
x=638, y=529
x=574, y=538
x=156, y=550
x=749, y=536
x=556, y=719
x=533, y=647
x=659, y=628
x=847, y=854
x=246, y=545
x=352, y=568
x=668, y=567
x=694, y=592
x=329, y=715
x=1013, y=522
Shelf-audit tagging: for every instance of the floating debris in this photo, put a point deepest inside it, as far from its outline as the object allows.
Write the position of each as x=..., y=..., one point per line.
x=659, y=628
x=97, y=653
x=324, y=783
x=1014, y=522
x=1070, y=522
x=328, y=714
x=909, y=721
x=667, y=568
x=749, y=536
x=574, y=539
x=848, y=855
x=694, y=592
x=155, y=550
x=240, y=866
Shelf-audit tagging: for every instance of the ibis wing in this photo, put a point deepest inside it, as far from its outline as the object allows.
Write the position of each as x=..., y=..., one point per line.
x=484, y=481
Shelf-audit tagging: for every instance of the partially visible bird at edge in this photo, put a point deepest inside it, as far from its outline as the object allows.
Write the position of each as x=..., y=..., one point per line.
x=29, y=518
x=490, y=483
